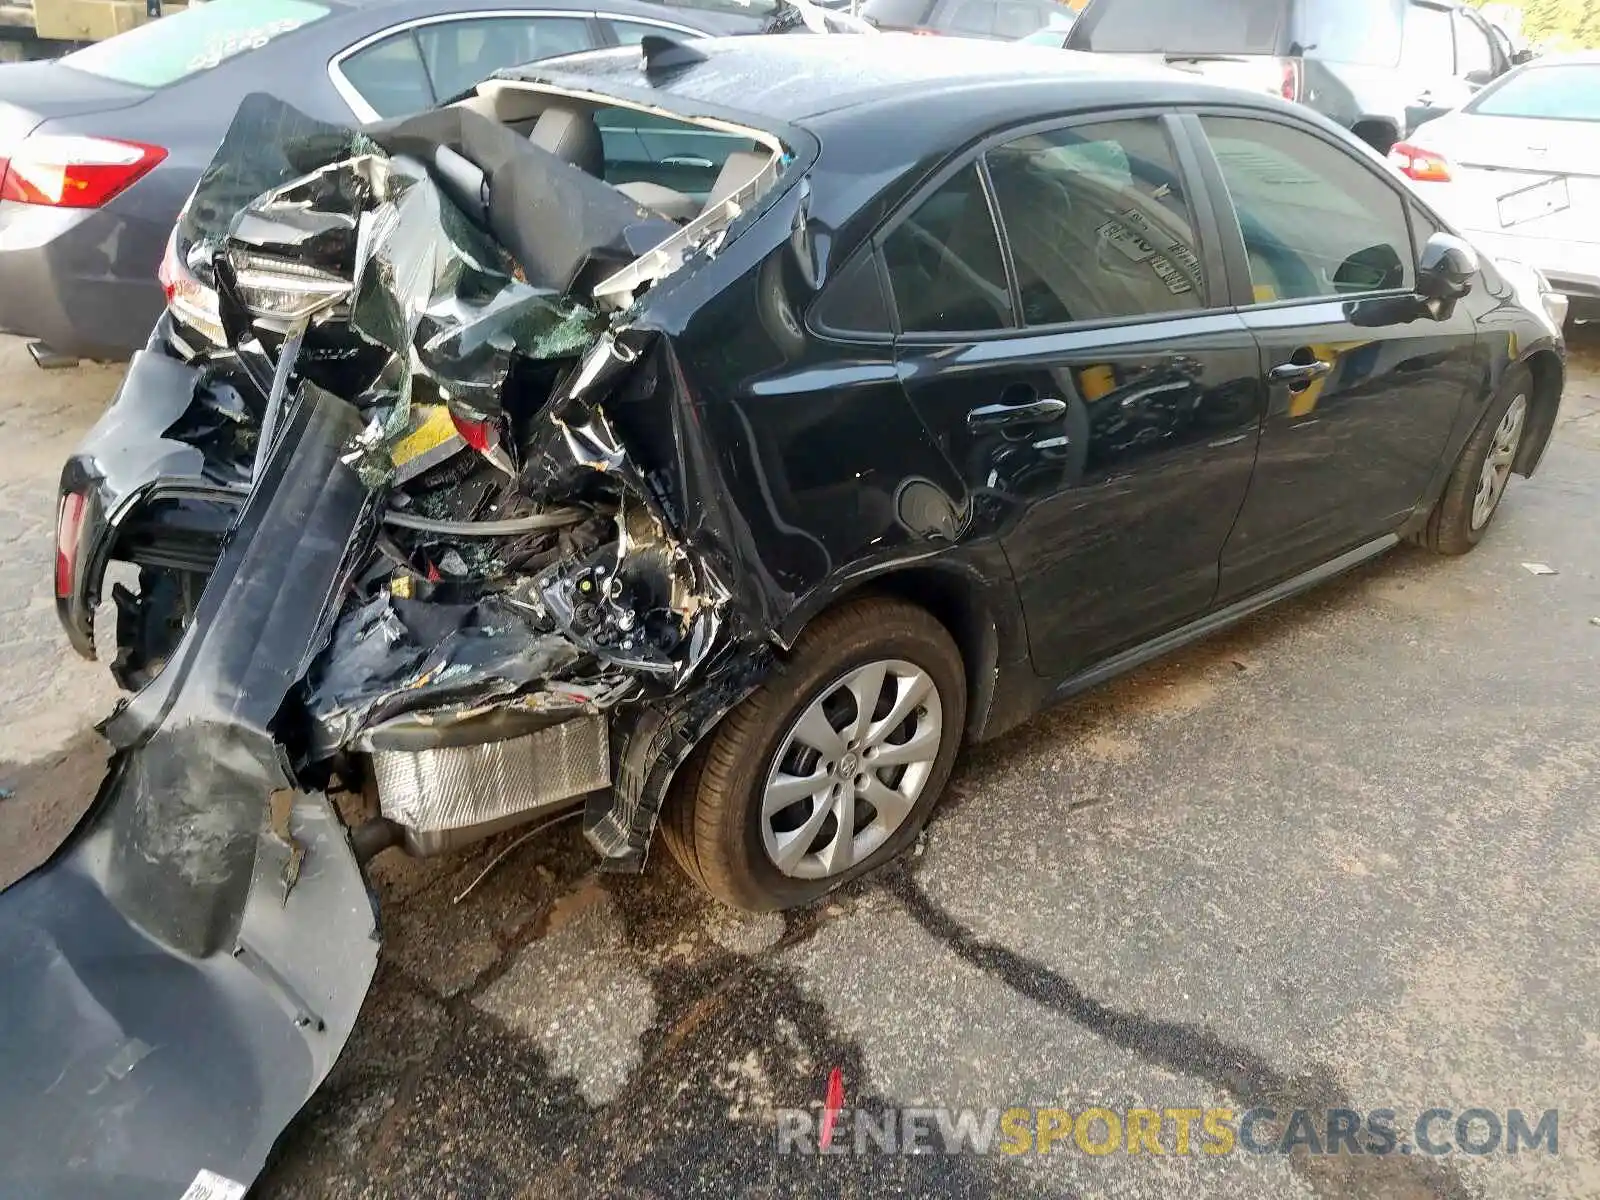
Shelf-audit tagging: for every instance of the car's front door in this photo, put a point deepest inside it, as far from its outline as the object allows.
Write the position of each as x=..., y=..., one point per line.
x=1364, y=387
x=1064, y=332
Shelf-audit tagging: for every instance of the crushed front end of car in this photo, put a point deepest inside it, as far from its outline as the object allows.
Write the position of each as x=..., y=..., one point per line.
x=442, y=577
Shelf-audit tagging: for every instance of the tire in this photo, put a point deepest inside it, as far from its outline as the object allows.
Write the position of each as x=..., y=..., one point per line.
x=1458, y=522
x=714, y=825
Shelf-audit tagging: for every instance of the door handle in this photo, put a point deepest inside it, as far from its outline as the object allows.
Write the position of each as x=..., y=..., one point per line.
x=1026, y=412
x=688, y=160
x=1298, y=375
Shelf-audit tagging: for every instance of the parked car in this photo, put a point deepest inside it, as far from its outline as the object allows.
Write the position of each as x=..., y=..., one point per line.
x=981, y=374
x=1515, y=169
x=1377, y=67
x=1009, y=20
x=105, y=144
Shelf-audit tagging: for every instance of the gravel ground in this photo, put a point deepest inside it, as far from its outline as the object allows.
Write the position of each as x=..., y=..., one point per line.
x=1343, y=856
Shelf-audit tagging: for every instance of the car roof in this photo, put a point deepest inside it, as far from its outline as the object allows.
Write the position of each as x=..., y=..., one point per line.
x=793, y=79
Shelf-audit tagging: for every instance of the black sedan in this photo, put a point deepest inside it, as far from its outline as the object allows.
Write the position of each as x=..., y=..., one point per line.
x=99, y=149
x=549, y=488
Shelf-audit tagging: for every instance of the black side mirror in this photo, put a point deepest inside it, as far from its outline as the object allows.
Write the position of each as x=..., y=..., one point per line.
x=1446, y=269
x=1524, y=55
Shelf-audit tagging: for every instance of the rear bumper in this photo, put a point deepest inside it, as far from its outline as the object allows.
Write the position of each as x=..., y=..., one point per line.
x=177, y=981
x=1573, y=268
x=122, y=467
x=81, y=280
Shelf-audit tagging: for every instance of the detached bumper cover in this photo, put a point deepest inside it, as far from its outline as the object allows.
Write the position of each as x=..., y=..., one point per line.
x=177, y=981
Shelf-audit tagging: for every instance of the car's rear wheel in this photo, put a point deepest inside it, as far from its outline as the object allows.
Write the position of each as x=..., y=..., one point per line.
x=1478, y=481
x=831, y=767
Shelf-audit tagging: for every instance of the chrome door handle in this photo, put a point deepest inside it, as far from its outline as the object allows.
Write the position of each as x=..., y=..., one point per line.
x=1297, y=375
x=1029, y=412
x=687, y=160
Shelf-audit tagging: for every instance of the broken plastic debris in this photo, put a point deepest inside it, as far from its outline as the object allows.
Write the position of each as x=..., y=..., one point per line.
x=1537, y=568
x=208, y=1185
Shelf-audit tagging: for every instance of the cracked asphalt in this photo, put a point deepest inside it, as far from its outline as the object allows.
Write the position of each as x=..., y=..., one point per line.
x=1346, y=855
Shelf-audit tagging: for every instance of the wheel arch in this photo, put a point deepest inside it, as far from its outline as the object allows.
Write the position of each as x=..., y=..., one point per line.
x=979, y=612
x=1549, y=377
x=1381, y=133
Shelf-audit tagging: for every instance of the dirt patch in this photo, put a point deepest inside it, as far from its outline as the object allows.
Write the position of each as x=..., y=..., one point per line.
x=47, y=796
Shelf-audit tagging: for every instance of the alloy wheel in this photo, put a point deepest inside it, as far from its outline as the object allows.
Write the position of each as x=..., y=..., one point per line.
x=850, y=769
x=1497, y=464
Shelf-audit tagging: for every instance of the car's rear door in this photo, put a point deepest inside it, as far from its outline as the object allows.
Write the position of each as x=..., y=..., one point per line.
x=1364, y=388
x=1065, y=333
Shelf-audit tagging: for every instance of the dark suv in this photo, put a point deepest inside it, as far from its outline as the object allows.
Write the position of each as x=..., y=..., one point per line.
x=1377, y=67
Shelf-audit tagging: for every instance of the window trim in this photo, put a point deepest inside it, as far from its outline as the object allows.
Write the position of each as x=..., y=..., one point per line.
x=1498, y=62
x=1230, y=230
x=1209, y=246
x=365, y=112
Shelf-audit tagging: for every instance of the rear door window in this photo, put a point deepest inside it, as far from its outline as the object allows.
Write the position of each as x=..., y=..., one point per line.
x=200, y=37
x=631, y=33
x=970, y=16
x=461, y=54
x=902, y=14
x=389, y=76
x=944, y=262
x=416, y=68
x=1098, y=223
x=1315, y=221
x=1014, y=21
x=1178, y=27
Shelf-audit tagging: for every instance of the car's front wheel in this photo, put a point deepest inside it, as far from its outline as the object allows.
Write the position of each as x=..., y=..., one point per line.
x=831, y=767
x=1478, y=481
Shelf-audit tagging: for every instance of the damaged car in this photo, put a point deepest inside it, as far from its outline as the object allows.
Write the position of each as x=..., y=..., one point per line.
x=484, y=473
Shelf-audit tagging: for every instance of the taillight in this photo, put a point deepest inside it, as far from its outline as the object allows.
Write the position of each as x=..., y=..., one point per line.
x=484, y=437
x=1422, y=165
x=480, y=435
x=69, y=521
x=74, y=172
x=1289, y=84
x=189, y=300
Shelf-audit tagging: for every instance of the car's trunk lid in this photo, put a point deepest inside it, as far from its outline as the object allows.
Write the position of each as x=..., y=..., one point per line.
x=35, y=92
x=1531, y=178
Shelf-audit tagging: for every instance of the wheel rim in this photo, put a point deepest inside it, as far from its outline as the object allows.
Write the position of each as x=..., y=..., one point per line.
x=850, y=769
x=1497, y=464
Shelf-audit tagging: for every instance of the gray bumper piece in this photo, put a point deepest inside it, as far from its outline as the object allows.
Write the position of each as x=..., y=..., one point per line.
x=167, y=1003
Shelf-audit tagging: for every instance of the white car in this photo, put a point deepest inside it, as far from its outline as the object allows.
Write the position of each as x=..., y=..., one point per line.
x=1518, y=169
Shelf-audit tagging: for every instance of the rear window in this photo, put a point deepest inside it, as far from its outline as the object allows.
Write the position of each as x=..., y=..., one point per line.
x=897, y=13
x=1555, y=93
x=200, y=37
x=1365, y=32
x=1179, y=27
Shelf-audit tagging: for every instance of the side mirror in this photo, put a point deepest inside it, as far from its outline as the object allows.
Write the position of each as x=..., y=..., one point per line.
x=1480, y=77
x=1446, y=268
x=1524, y=55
